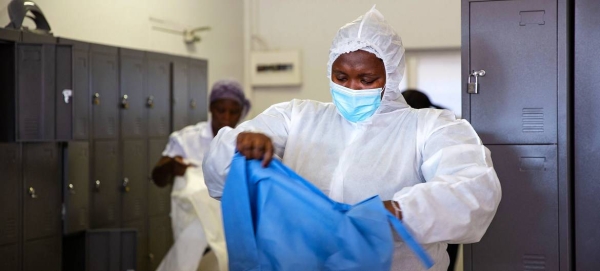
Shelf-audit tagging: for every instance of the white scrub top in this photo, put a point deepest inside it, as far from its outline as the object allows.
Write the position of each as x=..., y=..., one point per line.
x=196, y=217
x=433, y=165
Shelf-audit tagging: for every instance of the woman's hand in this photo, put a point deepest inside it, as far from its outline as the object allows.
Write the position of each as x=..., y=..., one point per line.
x=255, y=146
x=395, y=210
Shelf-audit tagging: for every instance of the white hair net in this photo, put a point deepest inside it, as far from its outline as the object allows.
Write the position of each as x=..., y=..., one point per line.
x=371, y=33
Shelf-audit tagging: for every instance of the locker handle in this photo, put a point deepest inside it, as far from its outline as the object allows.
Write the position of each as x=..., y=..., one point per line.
x=473, y=87
x=126, y=185
x=150, y=101
x=71, y=188
x=193, y=103
x=96, y=98
x=97, y=185
x=151, y=257
x=125, y=102
x=32, y=193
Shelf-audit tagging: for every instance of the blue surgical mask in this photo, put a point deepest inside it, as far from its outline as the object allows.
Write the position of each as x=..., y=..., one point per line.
x=355, y=105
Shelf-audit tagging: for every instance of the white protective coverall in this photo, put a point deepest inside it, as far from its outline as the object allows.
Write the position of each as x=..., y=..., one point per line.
x=433, y=165
x=195, y=216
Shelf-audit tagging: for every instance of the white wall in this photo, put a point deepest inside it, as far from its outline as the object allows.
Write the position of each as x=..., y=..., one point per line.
x=126, y=23
x=310, y=25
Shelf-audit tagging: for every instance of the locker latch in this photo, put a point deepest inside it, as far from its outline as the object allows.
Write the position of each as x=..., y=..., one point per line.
x=67, y=93
x=193, y=103
x=71, y=188
x=125, y=102
x=97, y=185
x=473, y=87
x=96, y=99
x=126, y=185
x=32, y=193
x=150, y=101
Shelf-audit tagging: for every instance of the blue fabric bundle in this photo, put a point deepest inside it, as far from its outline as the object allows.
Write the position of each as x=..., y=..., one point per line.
x=276, y=220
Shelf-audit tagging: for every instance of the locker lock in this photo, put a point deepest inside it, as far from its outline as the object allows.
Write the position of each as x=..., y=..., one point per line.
x=126, y=185
x=193, y=103
x=96, y=98
x=67, y=93
x=125, y=102
x=473, y=86
x=150, y=101
x=71, y=188
x=97, y=185
x=32, y=193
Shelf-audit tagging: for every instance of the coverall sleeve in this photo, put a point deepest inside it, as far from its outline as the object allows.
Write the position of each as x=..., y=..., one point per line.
x=461, y=192
x=273, y=122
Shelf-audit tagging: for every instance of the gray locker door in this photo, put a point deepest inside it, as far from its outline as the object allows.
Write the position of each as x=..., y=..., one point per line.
x=159, y=199
x=9, y=258
x=42, y=254
x=159, y=92
x=160, y=239
x=36, y=92
x=587, y=132
x=198, y=90
x=105, y=186
x=82, y=98
x=133, y=97
x=64, y=90
x=76, y=187
x=134, y=180
x=524, y=232
x=9, y=193
x=180, y=94
x=105, y=92
x=515, y=42
x=42, y=190
x=142, y=243
x=128, y=240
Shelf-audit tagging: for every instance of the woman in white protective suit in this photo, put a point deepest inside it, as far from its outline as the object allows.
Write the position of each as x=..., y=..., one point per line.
x=196, y=217
x=432, y=170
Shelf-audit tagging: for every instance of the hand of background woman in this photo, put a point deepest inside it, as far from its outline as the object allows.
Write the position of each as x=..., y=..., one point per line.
x=255, y=146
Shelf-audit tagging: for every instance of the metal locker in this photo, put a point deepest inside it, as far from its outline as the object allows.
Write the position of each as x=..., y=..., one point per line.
x=180, y=96
x=515, y=43
x=586, y=133
x=100, y=250
x=8, y=96
x=102, y=255
x=76, y=191
x=81, y=89
x=142, y=242
x=160, y=239
x=134, y=179
x=36, y=92
x=105, y=186
x=159, y=199
x=524, y=232
x=42, y=254
x=9, y=193
x=105, y=91
x=64, y=92
x=9, y=258
x=158, y=97
x=41, y=190
x=198, y=90
x=132, y=100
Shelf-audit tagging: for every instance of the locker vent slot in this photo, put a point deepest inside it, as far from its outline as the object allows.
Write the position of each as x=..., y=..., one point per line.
x=533, y=120
x=532, y=17
x=31, y=127
x=138, y=126
x=82, y=216
x=534, y=262
x=10, y=228
x=110, y=128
